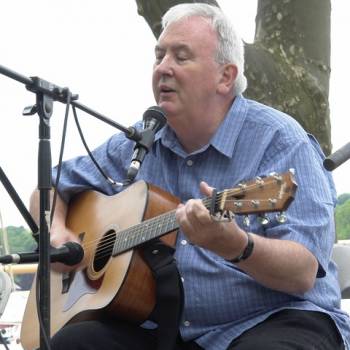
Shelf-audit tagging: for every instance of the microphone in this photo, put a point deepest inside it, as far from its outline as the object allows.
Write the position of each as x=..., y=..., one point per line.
x=153, y=120
x=337, y=158
x=70, y=253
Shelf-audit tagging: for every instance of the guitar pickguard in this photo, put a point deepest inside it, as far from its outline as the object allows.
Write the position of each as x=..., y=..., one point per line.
x=77, y=290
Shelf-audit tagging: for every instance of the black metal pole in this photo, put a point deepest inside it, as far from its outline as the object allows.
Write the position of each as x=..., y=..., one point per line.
x=44, y=106
x=337, y=158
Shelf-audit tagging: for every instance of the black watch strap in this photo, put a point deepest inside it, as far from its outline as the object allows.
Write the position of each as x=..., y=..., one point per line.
x=247, y=252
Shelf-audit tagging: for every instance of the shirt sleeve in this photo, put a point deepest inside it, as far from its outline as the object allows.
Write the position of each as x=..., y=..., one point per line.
x=310, y=217
x=80, y=173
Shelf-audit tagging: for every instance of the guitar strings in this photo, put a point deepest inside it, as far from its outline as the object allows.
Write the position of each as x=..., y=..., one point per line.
x=150, y=224
x=129, y=232
x=129, y=235
x=117, y=239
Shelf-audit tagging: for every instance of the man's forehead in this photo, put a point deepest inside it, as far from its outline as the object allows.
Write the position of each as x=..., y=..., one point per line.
x=174, y=46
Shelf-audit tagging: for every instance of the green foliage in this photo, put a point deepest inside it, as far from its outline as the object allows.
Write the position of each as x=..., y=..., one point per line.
x=343, y=198
x=19, y=239
x=342, y=218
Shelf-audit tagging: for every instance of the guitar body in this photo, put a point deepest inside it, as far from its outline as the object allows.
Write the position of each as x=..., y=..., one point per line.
x=103, y=286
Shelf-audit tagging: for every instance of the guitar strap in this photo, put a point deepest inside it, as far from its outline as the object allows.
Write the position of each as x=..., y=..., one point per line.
x=169, y=292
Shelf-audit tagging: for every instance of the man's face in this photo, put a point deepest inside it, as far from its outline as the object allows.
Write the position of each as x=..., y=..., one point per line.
x=185, y=73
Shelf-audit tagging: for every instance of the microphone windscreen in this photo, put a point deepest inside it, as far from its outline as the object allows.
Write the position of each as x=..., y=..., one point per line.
x=154, y=118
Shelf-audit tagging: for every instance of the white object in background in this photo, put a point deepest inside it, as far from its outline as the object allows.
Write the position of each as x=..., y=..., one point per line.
x=6, y=287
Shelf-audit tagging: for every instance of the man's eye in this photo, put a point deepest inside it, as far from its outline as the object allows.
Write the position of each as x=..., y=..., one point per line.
x=159, y=59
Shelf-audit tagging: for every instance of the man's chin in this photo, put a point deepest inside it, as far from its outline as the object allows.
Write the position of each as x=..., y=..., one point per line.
x=168, y=108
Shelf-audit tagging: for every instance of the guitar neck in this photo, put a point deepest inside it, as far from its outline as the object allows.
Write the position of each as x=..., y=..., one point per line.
x=144, y=232
x=148, y=230
x=262, y=195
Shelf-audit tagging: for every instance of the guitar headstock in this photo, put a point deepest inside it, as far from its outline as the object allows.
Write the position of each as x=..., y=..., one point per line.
x=262, y=195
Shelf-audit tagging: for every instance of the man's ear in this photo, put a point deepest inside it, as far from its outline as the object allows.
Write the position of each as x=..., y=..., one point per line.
x=228, y=78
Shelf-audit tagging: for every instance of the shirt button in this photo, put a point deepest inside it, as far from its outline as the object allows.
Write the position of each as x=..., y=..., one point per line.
x=187, y=323
x=183, y=242
x=189, y=162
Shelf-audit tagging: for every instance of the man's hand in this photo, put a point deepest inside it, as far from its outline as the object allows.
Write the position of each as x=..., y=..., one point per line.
x=226, y=239
x=58, y=237
x=59, y=233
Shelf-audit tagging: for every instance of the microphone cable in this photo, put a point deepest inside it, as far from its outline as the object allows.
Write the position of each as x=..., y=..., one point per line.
x=60, y=158
x=103, y=173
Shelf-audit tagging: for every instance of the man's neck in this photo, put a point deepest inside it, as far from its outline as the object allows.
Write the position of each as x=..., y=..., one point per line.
x=196, y=132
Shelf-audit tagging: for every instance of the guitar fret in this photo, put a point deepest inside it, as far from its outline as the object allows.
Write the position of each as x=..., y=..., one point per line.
x=131, y=240
x=144, y=232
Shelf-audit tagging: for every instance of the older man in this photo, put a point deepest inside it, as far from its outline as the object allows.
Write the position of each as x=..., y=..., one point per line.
x=259, y=287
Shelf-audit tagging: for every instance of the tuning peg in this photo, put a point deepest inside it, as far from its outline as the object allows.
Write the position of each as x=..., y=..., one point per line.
x=242, y=186
x=264, y=220
x=222, y=216
x=281, y=218
x=246, y=221
x=238, y=204
x=229, y=215
x=276, y=176
x=259, y=181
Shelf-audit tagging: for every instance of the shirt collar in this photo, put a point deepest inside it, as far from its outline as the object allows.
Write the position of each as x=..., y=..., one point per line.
x=225, y=137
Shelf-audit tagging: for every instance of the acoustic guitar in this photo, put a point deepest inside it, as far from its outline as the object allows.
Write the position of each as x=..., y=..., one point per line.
x=113, y=280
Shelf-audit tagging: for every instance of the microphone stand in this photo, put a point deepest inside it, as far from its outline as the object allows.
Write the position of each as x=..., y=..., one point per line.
x=46, y=94
x=337, y=158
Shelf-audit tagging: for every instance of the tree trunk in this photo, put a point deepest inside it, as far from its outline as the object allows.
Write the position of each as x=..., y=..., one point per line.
x=288, y=65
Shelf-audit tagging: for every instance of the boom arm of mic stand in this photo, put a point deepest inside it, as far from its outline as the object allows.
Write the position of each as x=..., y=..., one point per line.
x=130, y=132
x=57, y=93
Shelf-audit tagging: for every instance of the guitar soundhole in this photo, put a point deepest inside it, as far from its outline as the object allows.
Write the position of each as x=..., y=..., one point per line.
x=104, y=250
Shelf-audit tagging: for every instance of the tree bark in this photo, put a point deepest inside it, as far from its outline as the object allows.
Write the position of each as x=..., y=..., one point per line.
x=288, y=65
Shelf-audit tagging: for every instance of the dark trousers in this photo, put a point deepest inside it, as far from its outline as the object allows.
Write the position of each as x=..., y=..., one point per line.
x=284, y=330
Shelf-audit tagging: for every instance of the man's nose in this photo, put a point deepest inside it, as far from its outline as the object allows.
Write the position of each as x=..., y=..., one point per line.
x=165, y=66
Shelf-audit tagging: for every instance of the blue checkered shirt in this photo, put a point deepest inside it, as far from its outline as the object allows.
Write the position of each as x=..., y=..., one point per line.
x=221, y=301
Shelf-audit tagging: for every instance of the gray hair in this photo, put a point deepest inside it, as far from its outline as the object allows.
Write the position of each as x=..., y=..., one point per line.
x=230, y=46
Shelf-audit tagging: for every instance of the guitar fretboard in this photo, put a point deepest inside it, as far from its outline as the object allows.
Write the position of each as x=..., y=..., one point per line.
x=148, y=230
x=144, y=232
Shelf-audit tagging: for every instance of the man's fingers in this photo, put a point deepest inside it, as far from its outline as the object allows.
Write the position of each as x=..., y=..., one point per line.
x=205, y=188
